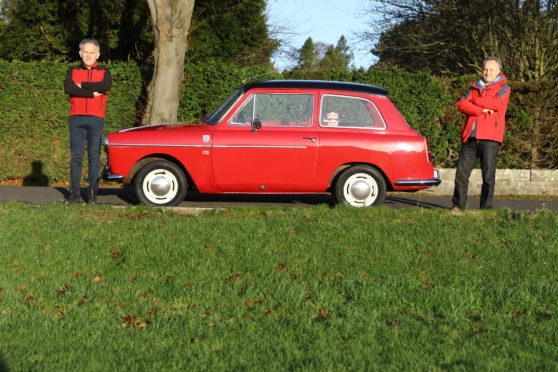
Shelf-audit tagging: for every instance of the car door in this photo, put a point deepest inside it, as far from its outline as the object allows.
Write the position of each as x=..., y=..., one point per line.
x=279, y=156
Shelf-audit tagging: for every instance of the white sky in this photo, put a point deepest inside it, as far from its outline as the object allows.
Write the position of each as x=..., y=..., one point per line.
x=322, y=20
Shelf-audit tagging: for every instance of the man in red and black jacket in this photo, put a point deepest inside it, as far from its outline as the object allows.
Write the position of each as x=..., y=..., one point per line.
x=88, y=85
x=482, y=133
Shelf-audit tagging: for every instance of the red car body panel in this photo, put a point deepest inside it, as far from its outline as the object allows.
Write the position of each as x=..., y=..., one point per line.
x=289, y=156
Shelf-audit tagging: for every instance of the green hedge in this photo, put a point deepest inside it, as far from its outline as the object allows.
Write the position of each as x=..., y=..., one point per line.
x=34, y=110
x=208, y=85
x=34, y=117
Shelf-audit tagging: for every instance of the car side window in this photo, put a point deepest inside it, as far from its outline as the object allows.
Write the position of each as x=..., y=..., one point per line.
x=245, y=115
x=349, y=112
x=275, y=110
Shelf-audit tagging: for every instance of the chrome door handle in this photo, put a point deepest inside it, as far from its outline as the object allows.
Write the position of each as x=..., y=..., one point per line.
x=313, y=139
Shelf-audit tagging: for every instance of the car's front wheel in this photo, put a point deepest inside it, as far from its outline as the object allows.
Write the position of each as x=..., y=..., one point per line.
x=160, y=183
x=360, y=186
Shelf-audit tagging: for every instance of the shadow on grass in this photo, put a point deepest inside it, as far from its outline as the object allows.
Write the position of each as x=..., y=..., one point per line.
x=3, y=366
x=296, y=199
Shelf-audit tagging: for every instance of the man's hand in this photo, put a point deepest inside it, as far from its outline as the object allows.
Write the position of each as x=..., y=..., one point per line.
x=487, y=111
x=97, y=94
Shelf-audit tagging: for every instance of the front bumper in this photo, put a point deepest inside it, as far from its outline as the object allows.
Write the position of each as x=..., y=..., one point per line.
x=428, y=183
x=107, y=174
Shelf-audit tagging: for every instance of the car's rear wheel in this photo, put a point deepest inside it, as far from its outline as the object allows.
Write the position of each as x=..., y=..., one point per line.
x=360, y=186
x=160, y=183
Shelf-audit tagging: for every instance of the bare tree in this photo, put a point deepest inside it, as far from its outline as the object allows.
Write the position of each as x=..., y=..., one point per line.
x=452, y=36
x=171, y=23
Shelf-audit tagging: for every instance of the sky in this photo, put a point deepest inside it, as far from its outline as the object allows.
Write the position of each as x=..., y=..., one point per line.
x=322, y=20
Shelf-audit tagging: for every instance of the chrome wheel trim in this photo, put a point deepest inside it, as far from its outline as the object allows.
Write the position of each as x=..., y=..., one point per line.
x=360, y=190
x=160, y=186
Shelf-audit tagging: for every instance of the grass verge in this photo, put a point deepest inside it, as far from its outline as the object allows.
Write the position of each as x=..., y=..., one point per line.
x=140, y=288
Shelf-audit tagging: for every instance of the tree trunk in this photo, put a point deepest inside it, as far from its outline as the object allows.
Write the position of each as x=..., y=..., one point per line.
x=171, y=22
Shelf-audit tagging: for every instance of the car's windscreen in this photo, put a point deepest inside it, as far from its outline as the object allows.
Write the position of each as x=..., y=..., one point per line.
x=218, y=114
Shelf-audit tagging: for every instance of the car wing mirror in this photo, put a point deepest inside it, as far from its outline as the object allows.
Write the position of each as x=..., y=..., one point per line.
x=256, y=124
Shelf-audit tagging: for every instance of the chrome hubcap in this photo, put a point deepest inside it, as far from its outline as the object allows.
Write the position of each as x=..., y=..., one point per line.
x=360, y=190
x=160, y=186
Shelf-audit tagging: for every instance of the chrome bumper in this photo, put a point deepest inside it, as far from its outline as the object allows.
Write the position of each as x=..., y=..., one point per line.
x=107, y=174
x=430, y=182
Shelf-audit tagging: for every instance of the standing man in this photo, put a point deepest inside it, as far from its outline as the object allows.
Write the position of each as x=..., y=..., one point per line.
x=482, y=132
x=88, y=85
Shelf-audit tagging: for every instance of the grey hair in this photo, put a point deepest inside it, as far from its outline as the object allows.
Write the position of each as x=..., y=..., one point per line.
x=492, y=58
x=90, y=41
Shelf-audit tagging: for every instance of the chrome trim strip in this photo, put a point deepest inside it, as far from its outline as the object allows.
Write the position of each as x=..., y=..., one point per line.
x=154, y=145
x=209, y=146
x=258, y=147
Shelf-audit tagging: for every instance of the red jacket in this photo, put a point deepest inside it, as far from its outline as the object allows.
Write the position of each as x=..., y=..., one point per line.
x=82, y=100
x=494, y=97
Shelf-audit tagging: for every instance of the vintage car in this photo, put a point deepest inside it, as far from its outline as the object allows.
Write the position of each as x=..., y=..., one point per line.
x=278, y=136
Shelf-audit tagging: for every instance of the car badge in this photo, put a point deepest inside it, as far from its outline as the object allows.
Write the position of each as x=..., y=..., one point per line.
x=206, y=137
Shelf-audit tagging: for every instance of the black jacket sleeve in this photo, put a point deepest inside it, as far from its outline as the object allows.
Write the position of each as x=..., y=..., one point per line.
x=101, y=86
x=73, y=90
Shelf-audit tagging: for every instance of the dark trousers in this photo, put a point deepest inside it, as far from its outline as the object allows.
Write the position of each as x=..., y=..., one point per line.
x=85, y=129
x=487, y=152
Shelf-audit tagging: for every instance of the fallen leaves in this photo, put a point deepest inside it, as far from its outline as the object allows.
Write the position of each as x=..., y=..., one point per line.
x=322, y=315
x=131, y=321
x=234, y=276
x=62, y=291
x=425, y=283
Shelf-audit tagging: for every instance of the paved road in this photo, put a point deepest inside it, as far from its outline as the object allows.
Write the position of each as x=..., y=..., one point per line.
x=124, y=196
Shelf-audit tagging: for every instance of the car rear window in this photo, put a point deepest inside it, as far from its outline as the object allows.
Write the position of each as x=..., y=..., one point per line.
x=349, y=112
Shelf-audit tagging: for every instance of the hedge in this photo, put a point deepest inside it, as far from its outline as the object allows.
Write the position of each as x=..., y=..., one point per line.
x=34, y=116
x=34, y=109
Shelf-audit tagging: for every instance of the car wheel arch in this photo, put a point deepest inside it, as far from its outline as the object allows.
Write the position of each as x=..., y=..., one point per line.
x=156, y=157
x=340, y=169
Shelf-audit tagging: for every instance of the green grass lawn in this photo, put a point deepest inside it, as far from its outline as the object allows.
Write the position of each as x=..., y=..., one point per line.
x=132, y=289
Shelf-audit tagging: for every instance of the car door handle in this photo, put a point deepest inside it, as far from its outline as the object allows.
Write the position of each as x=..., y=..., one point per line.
x=313, y=139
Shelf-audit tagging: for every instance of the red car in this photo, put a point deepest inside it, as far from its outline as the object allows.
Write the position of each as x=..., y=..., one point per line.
x=279, y=137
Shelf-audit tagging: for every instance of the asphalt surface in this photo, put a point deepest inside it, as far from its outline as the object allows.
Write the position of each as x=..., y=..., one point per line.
x=125, y=196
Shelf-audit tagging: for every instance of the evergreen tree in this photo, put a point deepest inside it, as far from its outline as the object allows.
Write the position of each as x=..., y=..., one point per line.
x=51, y=30
x=231, y=30
x=307, y=56
x=337, y=58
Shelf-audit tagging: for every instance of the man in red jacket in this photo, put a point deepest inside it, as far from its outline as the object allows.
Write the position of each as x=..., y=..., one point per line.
x=87, y=84
x=482, y=132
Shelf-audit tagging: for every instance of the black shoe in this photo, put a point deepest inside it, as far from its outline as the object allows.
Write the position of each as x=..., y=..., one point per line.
x=91, y=196
x=73, y=198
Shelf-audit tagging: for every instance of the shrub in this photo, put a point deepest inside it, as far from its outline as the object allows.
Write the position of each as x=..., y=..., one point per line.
x=34, y=111
x=207, y=85
x=34, y=116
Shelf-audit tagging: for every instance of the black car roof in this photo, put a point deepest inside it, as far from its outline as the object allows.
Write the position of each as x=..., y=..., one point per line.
x=316, y=84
